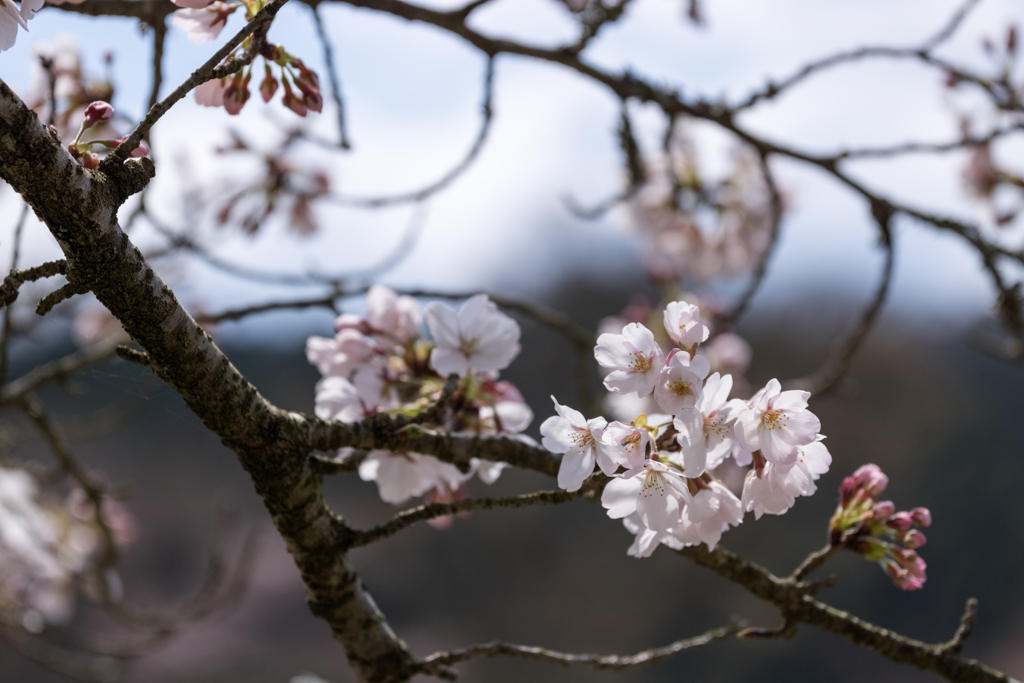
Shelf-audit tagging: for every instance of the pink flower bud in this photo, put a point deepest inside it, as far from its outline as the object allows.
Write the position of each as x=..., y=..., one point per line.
x=269, y=85
x=922, y=517
x=847, y=490
x=289, y=100
x=308, y=84
x=910, y=559
x=313, y=100
x=236, y=95
x=914, y=539
x=97, y=112
x=90, y=160
x=872, y=479
x=900, y=521
x=883, y=510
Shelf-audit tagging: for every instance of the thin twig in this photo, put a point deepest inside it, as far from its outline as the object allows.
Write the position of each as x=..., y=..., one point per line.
x=239, y=313
x=59, y=369
x=323, y=464
x=815, y=560
x=159, y=34
x=827, y=377
x=947, y=31
x=602, y=662
x=928, y=147
x=963, y=631
x=923, y=52
x=59, y=295
x=9, y=291
x=757, y=277
x=433, y=510
x=449, y=177
x=332, y=75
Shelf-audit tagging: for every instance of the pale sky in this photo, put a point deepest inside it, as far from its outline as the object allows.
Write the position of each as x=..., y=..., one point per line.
x=413, y=95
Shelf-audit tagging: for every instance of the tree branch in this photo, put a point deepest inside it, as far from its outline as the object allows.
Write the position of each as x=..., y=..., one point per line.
x=827, y=377
x=433, y=663
x=423, y=513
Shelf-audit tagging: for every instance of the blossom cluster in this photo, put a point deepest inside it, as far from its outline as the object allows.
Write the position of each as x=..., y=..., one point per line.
x=660, y=466
x=47, y=548
x=875, y=530
x=725, y=351
x=383, y=363
x=203, y=20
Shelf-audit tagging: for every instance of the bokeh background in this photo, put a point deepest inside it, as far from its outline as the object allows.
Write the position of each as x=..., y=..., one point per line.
x=942, y=418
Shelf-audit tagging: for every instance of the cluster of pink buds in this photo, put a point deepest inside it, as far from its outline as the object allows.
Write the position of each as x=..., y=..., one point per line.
x=301, y=85
x=875, y=530
x=95, y=114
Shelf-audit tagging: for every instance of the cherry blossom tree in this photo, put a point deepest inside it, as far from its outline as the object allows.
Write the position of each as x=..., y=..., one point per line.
x=411, y=395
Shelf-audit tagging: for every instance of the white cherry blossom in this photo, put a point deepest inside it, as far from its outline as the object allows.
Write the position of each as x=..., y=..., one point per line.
x=201, y=25
x=513, y=417
x=487, y=470
x=634, y=358
x=683, y=324
x=626, y=444
x=777, y=424
x=397, y=316
x=680, y=382
x=777, y=487
x=647, y=540
x=338, y=399
x=11, y=17
x=705, y=431
x=401, y=476
x=581, y=442
x=210, y=93
x=478, y=337
x=347, y=351
x=711, y=511
x=655, y=491
x=693, y=450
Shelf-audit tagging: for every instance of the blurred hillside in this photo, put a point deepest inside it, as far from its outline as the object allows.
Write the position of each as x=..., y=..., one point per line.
x=943, y=420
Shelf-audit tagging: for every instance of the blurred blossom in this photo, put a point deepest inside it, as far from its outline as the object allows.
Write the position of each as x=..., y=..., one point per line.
x=46, y=547
x=728, y=353
x=696, y=230
x=73, y=88
x=12, y=16
x=202, y=22
x=282, y=184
